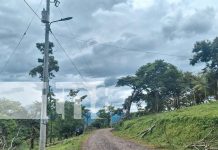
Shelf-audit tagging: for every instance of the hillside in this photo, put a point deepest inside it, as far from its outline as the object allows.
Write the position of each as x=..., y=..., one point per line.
x=175, y=130
x=74, y=143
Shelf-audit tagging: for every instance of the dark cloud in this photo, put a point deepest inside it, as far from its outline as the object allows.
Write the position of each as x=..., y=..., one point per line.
x=118, y=58
x=107, y=38
x=110, y=81
x=200, y=22
x=181, y=25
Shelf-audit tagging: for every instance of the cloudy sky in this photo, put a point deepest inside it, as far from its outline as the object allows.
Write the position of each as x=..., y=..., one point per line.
x=106, y=39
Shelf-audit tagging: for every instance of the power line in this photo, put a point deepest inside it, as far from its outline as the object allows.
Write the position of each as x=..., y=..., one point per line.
x=67, y=24
x=20, y=41
x=62, y=15
x=13, y=52
x=33, y=9
x=118, y=47
x=65, y=52
x=124, y=48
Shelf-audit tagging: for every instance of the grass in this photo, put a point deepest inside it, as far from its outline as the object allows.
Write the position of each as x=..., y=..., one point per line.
x=176, y=129
x=74, y=143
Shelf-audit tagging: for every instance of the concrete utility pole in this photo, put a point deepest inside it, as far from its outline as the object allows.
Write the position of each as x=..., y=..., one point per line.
x=43, y=119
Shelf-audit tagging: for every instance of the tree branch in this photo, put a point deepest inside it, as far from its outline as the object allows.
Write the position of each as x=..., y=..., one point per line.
x=12, y=142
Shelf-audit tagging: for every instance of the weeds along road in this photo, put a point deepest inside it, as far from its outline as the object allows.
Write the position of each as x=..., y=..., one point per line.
x=104, y=140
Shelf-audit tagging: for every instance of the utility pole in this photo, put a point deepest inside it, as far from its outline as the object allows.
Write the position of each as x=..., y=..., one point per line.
x=44, y=118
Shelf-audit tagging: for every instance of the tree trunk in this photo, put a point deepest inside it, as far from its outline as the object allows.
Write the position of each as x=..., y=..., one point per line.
x=32, y=143
x=46, y=134
x=32, y=138
x=51, y=131
x=128, y=110
x=176, y=102
x=156, y=102
x=216, y=90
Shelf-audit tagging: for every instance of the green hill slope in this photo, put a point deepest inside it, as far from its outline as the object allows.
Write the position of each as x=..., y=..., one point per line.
x=175, y=130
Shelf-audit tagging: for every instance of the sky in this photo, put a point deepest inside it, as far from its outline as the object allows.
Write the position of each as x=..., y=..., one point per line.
x=106, y=39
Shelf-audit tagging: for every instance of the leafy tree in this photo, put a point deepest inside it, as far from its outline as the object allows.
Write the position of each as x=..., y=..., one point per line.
x=65, y=128
x=53, y=64
x=14, y=109
x=161, y=81
x=210, y=77
x=200, y=88
x=38, y=71
x=134, y=83
x=27, y=128
x=86, y=115
x=8, y=130
x=104, y=117
x=102, y=114
x=188, y=83
x=207, y=52
x=118, y=111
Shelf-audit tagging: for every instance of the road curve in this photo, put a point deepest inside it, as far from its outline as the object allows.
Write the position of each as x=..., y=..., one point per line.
x=104, y=140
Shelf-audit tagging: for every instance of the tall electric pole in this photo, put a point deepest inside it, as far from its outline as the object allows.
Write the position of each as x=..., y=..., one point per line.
x=43, y=119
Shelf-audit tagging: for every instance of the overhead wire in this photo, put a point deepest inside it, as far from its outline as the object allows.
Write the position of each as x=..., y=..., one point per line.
x=70, y=31
x=35, y=12
x=68, y=56
x=104, y=44
x=124, y=48
x=118, y=47
x=60, y=45
x=21, y=38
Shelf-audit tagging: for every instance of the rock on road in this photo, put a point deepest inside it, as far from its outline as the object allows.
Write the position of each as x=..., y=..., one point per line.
x=104, y=140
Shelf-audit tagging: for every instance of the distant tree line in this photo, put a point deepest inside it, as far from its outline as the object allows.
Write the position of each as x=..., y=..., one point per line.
x=164, y=88
x=24, y=133
x=159, y=84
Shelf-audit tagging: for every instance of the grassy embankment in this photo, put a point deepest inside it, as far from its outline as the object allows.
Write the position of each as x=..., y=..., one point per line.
x=74, y=143
x=176, y=129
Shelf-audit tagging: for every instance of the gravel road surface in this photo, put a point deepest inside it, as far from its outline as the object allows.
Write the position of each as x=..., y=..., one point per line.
x=103, y=139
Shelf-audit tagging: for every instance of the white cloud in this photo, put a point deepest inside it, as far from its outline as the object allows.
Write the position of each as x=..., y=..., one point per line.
x=142, y=4
x=164, y=27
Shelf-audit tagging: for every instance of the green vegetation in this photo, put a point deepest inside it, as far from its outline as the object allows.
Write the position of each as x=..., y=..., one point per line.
x=105, y=116
x=176, y=129
x=74, y=143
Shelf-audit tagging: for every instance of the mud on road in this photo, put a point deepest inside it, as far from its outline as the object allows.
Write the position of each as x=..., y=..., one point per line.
x=104, y=140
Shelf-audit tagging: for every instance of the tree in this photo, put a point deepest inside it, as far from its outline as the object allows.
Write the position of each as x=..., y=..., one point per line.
x=134, y=83
x=38, y=71
x=102, y=114
x=53, y=64
x=66, y=127
x=200, y=88
x=13, y=109
x=8, y=129
x=104, y=117
x=86, y=115
x=207, y=52
x=161, y=81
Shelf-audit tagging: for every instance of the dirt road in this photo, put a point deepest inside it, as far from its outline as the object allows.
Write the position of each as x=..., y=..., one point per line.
x=104, y=140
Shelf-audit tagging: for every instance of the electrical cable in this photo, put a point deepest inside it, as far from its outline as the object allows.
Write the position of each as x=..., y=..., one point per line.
x=20, y=41
x=124, y=48
x=74, y=65
x=33, y=9
x=85, y=62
